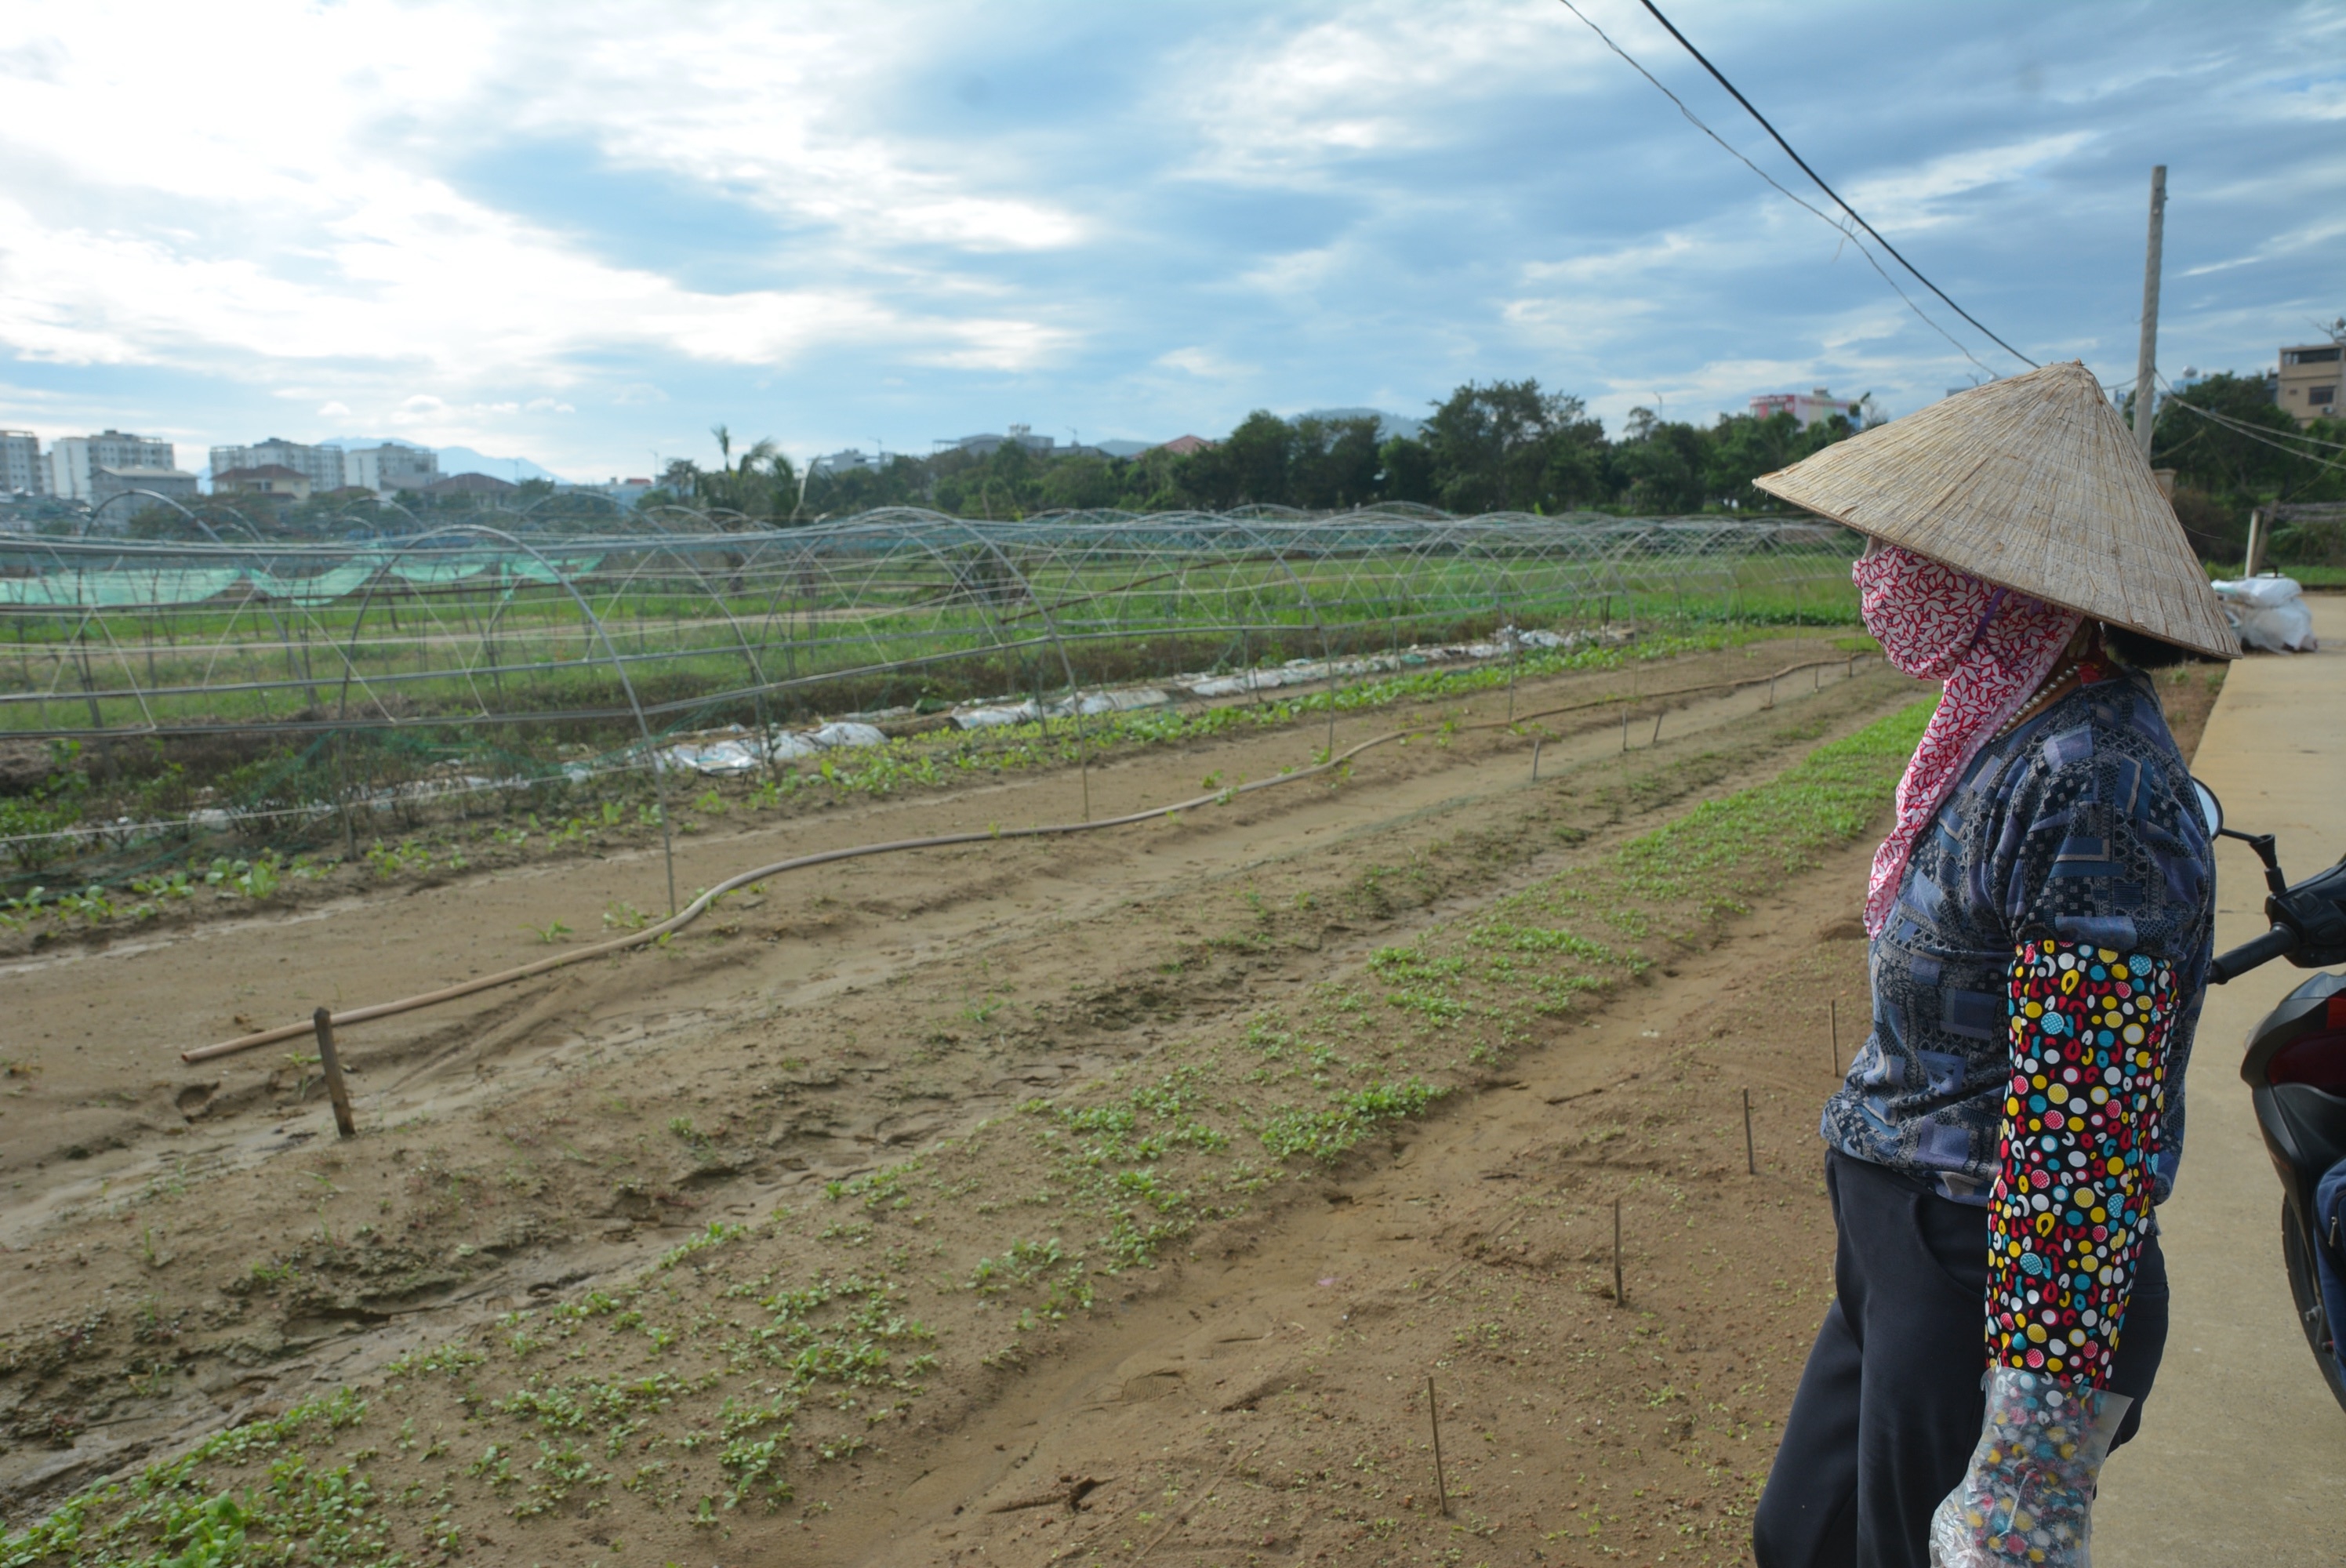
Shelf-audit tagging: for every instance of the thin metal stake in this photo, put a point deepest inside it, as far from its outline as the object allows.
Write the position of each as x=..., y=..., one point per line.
x=322, y=1020
x=1083, y=750
x=1440, y=1486
x=1536, y=751
x=1625, y=729
x=1515, y=661
x=1619, y=1298
x=1834, y=1013
x=1772, y=691
x=1750, y=1158
x=667, y=843
x=1656, y=740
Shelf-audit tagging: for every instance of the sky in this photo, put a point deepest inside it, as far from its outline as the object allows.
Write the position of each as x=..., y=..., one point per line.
x=587, y=231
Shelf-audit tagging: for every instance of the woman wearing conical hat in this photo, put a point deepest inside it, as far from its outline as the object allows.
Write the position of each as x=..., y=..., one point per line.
x=2040, y=918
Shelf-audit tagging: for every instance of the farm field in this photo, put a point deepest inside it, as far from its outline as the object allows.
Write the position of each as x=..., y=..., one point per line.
x=1101, y=1198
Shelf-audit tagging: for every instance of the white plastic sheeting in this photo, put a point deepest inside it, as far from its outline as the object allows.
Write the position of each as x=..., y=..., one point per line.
x=740, y=751
x=2269, y=613
x=1119, y=700
x=1506, y=641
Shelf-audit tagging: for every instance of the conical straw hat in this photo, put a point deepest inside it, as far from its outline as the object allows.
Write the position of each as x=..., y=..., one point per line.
x=2034, y=483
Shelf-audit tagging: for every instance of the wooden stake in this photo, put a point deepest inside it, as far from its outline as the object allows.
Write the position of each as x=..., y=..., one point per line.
x=1656, y=740
x=1433, y=1410
x=1835, y=1014
x=1750, y=1158
x=1618, y=1297
x=336, y=1090
x=1536, y=751
x=1625, y=730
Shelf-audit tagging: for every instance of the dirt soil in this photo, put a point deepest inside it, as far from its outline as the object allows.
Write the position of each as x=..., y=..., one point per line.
x=1095, y=1199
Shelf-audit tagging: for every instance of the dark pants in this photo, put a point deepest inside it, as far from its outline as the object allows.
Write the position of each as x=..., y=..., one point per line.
x=1890, y=1405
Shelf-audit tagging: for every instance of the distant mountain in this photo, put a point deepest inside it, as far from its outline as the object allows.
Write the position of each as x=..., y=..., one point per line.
x=458, y=459
x=464, y=460
x=1388, y=424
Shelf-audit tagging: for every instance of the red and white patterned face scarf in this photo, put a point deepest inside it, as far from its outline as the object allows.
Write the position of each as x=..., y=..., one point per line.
x=1992, y=646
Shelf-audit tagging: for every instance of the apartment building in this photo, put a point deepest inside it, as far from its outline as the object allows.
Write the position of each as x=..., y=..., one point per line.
x=74, y=460
x=22, y=472
x=1809, y=407
x=390, y=467
x=320, y=465
x=2308, y=387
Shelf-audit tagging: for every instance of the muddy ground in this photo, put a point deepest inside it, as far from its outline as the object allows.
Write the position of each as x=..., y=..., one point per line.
x=1095, y=1198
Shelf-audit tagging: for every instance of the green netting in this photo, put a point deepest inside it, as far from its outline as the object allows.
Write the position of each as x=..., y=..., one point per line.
x=553, y=569
x=121, y=587
x=319, y=588
x=418, y=570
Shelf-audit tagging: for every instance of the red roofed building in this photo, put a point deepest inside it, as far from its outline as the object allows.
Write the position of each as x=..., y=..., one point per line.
x=1183, y=445
x=470, y=485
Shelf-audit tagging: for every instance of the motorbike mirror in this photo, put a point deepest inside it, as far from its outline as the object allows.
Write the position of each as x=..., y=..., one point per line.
x=2211, y=810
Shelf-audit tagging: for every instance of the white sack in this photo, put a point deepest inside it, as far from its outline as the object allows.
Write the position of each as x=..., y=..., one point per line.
x=2269, y=613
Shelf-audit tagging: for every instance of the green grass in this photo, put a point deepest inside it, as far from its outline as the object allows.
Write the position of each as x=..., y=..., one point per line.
x=737, y=1367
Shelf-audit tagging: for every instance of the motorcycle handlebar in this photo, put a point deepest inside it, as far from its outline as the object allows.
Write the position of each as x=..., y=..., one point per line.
x=2275, y=943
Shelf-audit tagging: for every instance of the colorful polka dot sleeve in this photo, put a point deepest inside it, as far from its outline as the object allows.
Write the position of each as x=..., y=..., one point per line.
x=2089, y=1028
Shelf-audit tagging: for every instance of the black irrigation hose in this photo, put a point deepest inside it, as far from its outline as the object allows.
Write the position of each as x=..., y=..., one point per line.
x=701, y=905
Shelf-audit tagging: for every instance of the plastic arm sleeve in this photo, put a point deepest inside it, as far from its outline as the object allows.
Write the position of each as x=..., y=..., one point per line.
x=2027, y=1499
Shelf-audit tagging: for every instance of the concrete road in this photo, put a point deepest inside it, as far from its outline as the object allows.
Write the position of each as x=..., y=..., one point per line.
x=2242, y=1456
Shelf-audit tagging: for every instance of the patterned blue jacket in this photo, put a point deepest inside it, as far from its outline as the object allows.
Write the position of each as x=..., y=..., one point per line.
x=2081, y=826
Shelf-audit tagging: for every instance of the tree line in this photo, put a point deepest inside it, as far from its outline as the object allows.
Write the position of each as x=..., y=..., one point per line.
x=1503, y=446
x=2252, y=455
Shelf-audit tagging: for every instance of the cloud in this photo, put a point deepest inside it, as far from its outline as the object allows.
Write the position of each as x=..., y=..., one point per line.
x=1290, y=99
x=1917, y=196
x=524, y=226
x=1202, y=362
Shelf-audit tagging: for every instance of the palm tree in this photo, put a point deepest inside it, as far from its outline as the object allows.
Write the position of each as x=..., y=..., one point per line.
x=751, y=486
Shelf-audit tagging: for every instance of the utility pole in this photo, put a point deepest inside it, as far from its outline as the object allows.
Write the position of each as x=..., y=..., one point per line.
x=2145, y=364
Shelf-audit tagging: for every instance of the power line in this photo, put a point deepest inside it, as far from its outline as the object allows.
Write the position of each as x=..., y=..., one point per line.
x=1721, y=77
x=1827, y=219
x=2269, y=437
x=2260, y=431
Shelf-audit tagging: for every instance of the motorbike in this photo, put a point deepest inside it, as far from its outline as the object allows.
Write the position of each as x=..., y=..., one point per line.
x=2295, y=1071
